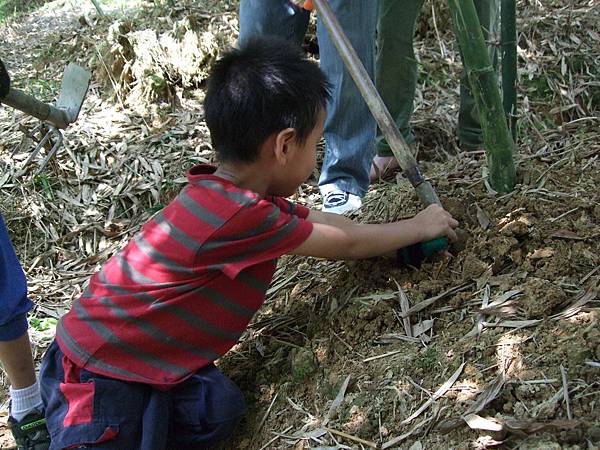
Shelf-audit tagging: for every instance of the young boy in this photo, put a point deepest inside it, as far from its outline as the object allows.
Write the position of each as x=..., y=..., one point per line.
x=26, y=419
x=132, y=364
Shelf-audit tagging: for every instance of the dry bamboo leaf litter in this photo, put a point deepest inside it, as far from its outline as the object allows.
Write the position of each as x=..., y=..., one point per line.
x=119, y=165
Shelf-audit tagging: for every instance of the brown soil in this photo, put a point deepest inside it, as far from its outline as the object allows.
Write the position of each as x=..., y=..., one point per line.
x=327, y=363
x=337, y=320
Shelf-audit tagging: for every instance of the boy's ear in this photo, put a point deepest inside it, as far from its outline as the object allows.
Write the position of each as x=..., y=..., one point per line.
x=283, y=142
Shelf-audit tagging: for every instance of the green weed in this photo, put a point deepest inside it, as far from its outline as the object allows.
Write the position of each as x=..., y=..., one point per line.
x=540, y=86
x=154, y=209
x=44, y=324
x=43, y=90
x=12, y=8
x=428, y=359
x=43, y=181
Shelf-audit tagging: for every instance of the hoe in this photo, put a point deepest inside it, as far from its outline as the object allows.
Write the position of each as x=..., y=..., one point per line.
x=54, y=118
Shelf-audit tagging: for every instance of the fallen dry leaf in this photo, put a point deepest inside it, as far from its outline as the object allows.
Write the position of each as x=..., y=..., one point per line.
x=532, y=426
x=566, y=234
x=476, y=422
x=541, y=253
x=482, y=217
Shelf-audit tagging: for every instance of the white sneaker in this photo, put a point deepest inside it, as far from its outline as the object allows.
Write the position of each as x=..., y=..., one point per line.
x=337, y=201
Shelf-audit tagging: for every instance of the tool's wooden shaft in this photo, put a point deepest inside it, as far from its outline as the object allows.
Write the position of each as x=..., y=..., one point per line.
x=367, y=89
x=26, y=103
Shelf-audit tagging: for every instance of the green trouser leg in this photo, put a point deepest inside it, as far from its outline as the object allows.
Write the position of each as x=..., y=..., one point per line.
x=395, y=65
x=469, y=127
x=396, y=70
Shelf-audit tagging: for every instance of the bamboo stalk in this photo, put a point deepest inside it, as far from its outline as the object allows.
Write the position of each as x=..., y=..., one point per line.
x=508, y=37
x=484, y=85
x=98, y=8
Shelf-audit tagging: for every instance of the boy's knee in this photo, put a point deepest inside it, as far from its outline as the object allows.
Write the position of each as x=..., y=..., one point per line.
x=214, y=429
x=223, y=431
x=226, y=402
x=208, y=409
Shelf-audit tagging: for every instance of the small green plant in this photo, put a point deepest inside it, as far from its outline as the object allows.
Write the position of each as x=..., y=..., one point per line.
x=154, y=209
x=5, y=9
x=303, y=363
x=11, y=8
x=428, y=359
x=44, y=324
x=540, y=86
x=43, y=90
x=159, y=3
x=43, y=181
x=168, y=190
x=168, y=183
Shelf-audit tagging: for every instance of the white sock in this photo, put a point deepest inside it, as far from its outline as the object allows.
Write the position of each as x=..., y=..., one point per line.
x=25, y=400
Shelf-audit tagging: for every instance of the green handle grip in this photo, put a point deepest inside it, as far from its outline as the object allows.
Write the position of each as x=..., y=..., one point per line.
x=434, y=246
x=415, y=254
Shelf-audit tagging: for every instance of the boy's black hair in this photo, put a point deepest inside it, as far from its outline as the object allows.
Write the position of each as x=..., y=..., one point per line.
x=261, y=88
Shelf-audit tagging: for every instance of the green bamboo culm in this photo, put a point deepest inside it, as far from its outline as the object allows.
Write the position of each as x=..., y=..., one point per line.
x=98, y=8
x=484, y=85
x=508, y=38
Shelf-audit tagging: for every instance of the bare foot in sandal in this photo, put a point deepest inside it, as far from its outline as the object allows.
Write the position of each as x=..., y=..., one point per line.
x=383, y=167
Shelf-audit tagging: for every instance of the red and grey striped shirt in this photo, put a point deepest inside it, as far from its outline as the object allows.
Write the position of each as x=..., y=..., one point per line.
x=183, y=290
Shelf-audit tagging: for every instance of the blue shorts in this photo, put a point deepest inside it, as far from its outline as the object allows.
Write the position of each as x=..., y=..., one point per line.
x=14, y=303
x=86, y=410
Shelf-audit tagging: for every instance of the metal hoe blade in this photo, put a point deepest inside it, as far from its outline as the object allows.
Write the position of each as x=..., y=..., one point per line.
x=73, y=90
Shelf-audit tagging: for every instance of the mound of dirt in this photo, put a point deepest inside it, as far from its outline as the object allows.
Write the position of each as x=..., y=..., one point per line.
x=498, y=346
x=512, y=311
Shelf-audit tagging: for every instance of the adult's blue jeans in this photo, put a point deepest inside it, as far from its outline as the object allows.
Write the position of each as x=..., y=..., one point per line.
x=14, y=303
x=350, y=128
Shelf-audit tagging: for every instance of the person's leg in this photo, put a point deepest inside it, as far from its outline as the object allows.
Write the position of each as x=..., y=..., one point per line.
x=15, y=352
x=26, y=420
x=469, y=126
x=350, y=127
x=17, y=362
x=24, y=390
x=86, y=410
x=272, y=18
x=206, y=410
x=396, y=74
x=396, y=66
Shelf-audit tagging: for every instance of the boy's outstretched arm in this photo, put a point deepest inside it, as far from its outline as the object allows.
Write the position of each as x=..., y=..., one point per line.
x=337, y=237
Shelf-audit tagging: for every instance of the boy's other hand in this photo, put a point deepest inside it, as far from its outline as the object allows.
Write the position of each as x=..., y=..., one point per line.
x=434, y=221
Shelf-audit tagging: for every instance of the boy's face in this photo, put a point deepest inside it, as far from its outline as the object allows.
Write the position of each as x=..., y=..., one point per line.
x=302, y=160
